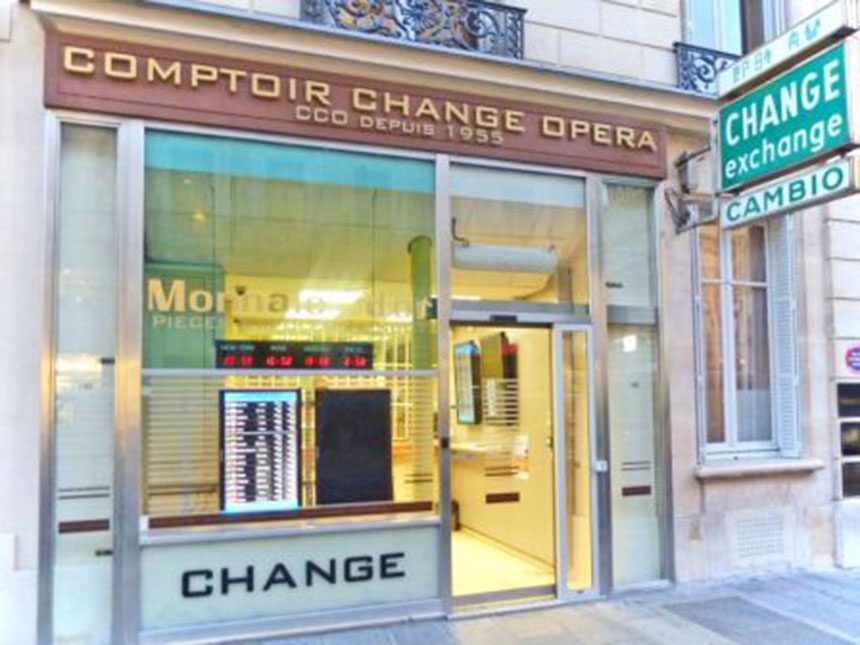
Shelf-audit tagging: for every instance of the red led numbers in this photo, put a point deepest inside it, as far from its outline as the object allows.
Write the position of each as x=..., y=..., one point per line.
x=292, y=355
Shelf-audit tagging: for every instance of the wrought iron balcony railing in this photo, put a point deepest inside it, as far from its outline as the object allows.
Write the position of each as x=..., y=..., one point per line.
x=471, y=25
x=698, y=67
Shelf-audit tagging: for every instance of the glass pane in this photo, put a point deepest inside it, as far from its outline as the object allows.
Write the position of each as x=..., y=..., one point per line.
x=288, y=258
x=256, y=241
x=850, y=432
x=749, y=256
x=713, y=328
x=752, y=364
x=851, y=479
x=626, y=243
x=632, y=386
x=502, y=475
x=759, y=23
x=577, y=459
x=518, y=236
x=731, y=26
x=702, y=25
x=83, y=381
x=709, y=252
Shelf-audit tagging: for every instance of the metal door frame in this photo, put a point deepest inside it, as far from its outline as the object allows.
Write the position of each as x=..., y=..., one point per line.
x=559, y=590
x=596, y=468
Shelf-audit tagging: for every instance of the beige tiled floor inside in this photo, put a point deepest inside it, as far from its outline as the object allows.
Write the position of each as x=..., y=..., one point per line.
x=482, y=565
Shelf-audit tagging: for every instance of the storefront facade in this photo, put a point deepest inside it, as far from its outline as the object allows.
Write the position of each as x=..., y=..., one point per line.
x=327, y=343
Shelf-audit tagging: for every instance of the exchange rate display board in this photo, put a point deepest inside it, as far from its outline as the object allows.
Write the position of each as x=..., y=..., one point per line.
x=260, y=450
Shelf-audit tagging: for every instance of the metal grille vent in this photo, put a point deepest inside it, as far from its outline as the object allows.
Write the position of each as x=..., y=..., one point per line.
x=759, y=538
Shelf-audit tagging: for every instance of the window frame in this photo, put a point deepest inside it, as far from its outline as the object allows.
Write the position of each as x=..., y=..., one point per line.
x=773, y=21
x=731, y=447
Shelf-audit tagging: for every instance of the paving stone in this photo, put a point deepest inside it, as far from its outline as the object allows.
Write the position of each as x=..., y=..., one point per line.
x=750, y=624
x=821, y=608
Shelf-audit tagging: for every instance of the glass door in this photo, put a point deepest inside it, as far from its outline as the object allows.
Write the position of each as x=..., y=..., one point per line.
x=503, y=538
x=575, y=455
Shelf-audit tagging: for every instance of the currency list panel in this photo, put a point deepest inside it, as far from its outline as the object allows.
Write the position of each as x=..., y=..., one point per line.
x=260, y=450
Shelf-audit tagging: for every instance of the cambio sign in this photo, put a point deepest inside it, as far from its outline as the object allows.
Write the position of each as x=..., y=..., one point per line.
x=792, y=120
x=787, y=194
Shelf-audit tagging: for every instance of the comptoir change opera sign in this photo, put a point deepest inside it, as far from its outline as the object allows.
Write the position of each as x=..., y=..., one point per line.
x=801, y=116
x=130, y=79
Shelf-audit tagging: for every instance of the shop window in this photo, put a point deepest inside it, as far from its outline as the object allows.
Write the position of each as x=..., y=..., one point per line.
x=747, y=355
x=732, y=26
x=289, y=332
x=627, y=243
x=518, y=237
x=85, y=346
x=848, y=411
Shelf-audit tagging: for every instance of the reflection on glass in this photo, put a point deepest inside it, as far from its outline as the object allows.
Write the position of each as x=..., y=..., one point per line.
x=502, y=468
x=577, y=459
x=713, y=362
x=731, y=26
x=749, y=256
x=851, y=479
x=83, y=385
x=256, y=241
x=250, y=241
x=518, y=236
x=636, y=527
x=626, y=246
x=752, y=364
x=709, y=251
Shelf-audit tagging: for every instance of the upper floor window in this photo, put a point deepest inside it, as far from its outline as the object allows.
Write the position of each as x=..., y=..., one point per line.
x=732, y=26
x=747, y=351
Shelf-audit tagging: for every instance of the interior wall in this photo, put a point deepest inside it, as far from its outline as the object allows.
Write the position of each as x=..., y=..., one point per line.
x=526, y=525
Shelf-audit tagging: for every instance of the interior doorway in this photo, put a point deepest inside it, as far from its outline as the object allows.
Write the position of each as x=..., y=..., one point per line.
x=522, y=519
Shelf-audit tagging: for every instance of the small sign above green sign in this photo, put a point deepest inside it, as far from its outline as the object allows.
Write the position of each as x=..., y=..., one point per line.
x=837, y=18
x=803, y=190
x=798, y=117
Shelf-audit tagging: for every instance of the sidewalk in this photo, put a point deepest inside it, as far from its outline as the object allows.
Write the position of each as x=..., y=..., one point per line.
x=791, y=609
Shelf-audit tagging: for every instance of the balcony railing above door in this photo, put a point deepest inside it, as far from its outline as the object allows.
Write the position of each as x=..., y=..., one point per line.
x=470, y=25
x=698, y=67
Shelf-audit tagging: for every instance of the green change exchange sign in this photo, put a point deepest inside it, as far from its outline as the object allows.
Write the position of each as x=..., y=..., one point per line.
x=798, y=117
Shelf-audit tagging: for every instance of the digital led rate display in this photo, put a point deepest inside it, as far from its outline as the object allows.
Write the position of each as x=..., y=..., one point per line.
x=293, y=355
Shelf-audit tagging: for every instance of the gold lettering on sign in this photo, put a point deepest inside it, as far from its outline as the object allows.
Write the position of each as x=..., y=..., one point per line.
x=625, y=137
x=602, y=134
x=579, y=128
x=393, y=111
x=486, y=117
x=460, y=113
x=265, y=86
x=79, y=60
x=203, y=74
x=233, y=76
x=552, y=127
x=363, y=99
x=121, y=66
x=390, y=102
x=316, y=91
x=514, y=121
x=155, y=72
x=427, y=108
x=647, y=141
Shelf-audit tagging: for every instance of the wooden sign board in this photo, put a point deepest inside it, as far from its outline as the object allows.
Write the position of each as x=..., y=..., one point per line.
x=136, y=80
